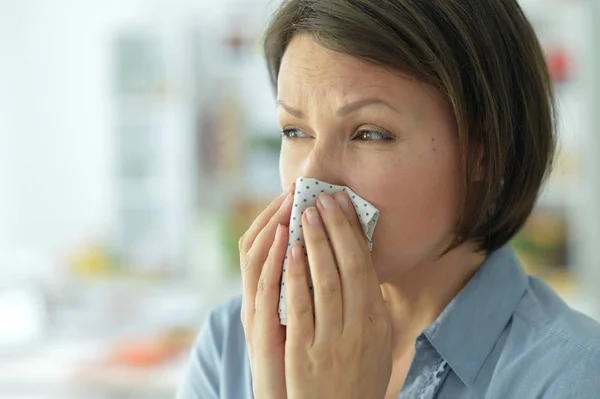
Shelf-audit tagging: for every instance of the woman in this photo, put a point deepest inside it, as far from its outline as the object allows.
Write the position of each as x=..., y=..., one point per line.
x=439, y=113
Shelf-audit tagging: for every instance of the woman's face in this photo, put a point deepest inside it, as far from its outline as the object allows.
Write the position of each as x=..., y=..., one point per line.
x=391, y=139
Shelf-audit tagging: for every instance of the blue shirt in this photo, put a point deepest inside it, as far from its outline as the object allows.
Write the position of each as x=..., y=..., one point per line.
x=504, y=336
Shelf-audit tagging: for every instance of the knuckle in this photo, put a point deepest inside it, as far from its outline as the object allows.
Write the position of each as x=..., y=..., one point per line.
x=244, y=266
x=262, y=301
x=301, y=307
x=327, y=288
x=322, y=358
x=245, y=262
x=356, y=265
x=380, y=324
x=261, y=289
x=337, y=220
x=263, y=285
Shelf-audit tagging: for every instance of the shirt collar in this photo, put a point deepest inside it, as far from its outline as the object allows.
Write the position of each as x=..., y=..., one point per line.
x=467, y=330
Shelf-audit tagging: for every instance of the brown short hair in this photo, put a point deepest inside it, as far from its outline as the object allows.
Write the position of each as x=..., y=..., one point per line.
x=484, y=57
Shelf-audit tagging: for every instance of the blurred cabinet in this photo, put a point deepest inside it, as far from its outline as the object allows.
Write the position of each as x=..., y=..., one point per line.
x=153, y=177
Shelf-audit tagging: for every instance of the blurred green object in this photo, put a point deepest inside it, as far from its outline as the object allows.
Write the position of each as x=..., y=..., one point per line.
x=231, y=236
x=542, y=243
x=237, y=221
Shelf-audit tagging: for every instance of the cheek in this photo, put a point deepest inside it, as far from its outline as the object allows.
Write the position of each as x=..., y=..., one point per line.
x=418, y=204
x=290, y=165
x=431, y=197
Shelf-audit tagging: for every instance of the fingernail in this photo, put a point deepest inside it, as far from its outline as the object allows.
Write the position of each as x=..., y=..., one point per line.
x=278, y=232
x=313, y=216
x=343, y=201
x=296, y=252
x=327, y=201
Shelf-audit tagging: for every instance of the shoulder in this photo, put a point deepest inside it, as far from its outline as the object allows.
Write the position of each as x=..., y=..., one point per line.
x=223, y=329
x=217, y=365
x=225, y=316
x=557, y=348
x=580, y=381
x=551, y=319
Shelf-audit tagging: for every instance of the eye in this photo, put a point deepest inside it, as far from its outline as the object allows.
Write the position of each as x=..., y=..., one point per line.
x=293, y=134
x=373, y=135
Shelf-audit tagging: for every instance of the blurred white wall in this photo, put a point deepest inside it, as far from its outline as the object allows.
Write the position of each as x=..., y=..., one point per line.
x=55, y=122
x=56, y=132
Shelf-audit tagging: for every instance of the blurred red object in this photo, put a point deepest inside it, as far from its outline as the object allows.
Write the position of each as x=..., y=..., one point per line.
x=152, y=351
x=141, y=354
x=560, y=64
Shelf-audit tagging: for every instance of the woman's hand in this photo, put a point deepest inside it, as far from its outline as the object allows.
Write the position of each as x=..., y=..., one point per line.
x=262, y=250
x=341, y=348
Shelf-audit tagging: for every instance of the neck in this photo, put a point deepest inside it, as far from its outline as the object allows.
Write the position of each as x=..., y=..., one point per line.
x=418, y=297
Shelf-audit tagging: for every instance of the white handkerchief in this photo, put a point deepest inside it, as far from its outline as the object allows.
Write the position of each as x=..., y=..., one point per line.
x=307, y=192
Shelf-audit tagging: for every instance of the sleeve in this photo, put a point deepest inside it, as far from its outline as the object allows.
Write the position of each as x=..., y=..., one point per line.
x=201, y=379
x=582, y=381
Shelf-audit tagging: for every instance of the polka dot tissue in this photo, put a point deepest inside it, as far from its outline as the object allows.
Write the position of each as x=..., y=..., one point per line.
x=306, y=195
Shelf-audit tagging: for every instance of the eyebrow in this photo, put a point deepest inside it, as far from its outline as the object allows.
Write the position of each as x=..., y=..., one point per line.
x=290, y=110
x=343, y=111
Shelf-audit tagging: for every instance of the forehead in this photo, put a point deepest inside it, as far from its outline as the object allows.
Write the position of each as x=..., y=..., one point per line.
x=312, y=75
x=309, y=67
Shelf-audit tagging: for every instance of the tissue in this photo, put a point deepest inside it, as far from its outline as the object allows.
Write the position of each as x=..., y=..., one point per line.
x=305, y=196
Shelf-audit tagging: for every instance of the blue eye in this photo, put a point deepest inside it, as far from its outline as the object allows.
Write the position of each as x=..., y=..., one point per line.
x=373, y=135
x=293, y=134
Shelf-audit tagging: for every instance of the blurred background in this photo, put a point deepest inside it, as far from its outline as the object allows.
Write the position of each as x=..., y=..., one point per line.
x=138, y=139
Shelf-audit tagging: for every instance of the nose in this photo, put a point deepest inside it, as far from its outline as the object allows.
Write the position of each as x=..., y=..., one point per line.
x=324, y=163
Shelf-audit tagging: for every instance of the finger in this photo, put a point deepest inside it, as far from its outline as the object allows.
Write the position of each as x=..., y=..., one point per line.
x=264, y=240
x=261, y=221
x=253, y=260
x=266, y=319
x=326, y=279
x=300, y=316
x=348, y=209
x=359, y=280
x=268, y=336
